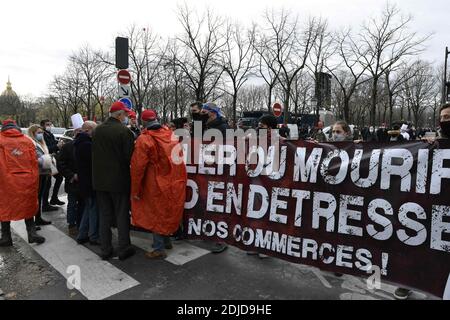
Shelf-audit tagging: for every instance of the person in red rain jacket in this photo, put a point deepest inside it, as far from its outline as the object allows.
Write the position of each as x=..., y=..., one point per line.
x=20, y=182
x=158, y=184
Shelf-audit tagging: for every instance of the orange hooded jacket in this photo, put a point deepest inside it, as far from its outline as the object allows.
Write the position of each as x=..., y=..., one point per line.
x=19, y=176
x=158, y=181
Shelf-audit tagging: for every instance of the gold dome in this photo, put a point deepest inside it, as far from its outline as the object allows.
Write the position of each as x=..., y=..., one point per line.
x=9, y=92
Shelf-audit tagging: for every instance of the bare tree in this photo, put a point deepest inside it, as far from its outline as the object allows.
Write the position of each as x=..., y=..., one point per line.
x=93, y=71
x=238, y=59
x=322, y=49
x=146, y=58
x=288, y=46
x=419, y=89
x=204, y=42
x=350, y=76
x=385, y=41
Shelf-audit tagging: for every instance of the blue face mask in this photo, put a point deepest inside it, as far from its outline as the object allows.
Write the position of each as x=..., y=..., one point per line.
x=125, y=121
x=39, y=136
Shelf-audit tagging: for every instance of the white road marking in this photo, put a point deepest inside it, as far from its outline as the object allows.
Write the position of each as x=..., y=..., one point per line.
x=99, y=279
x=447, y=290
x=322, y=279
x=181, y=253
x=355, y=296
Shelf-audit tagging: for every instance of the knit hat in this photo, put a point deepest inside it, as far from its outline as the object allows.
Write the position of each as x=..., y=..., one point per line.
x=9, y=124
x=118, y=106
x=149, y=115
x=212, y=107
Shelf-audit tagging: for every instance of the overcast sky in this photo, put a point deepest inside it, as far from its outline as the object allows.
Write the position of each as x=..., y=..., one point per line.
x=38, y=36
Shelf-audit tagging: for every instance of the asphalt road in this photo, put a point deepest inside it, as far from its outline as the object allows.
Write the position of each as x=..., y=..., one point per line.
x=191, y=272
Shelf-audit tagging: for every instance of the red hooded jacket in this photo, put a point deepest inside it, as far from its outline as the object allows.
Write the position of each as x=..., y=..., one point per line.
x=19, y=176
x=158, y=181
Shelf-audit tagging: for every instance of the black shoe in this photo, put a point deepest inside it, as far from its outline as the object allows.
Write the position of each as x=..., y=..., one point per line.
x=125, y=254
x=106, y=255
x=49, y=208
x=37, y=228
x=94, y=243
x=6, y=241
x=219, y=247
x=34, y=238
x=57, y=202
x=402, y=293
x=82, y=241
x=42, y=222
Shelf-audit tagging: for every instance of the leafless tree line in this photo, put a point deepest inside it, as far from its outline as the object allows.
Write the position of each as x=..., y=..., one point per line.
x=377, y=73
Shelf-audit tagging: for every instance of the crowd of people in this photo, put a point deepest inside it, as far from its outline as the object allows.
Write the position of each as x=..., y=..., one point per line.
x=119, y=173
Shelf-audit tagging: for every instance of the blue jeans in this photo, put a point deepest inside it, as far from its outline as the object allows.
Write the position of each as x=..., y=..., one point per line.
x=72, y=208
x=89, y=222
x=159, y=241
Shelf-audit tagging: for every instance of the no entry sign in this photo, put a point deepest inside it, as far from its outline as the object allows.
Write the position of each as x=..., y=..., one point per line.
x=124, y=77
x=277, y=109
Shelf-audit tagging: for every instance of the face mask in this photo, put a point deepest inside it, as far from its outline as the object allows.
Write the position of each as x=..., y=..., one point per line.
x=125, y=121
x=39, y=136
x=445, y=127
x=338, y=137
x=48, y=128
x=200, y=117
x=371, y=130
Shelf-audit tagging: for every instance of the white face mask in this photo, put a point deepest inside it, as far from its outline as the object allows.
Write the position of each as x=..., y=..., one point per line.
x=371, y=130
x=338, y=137
x=125, y=121
x=39, y=136
x=48, y=128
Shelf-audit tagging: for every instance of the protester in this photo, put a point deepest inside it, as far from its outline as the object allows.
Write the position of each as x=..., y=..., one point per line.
x=112, y=148
x=341, y=132
x=158, y=184
x=395, y=134
x=36, y=133
x=370, y=135
x=88, y=230
x=356, y=133
x=197, y=115
x=179, y=123
x=444, y=133
x=319, y=136
x=444, y=124
x=215, y=121
x=53, y=148
x=20, y=183
x=382, y=133
x=133, y=126
x=67, y=167
x=215, y=118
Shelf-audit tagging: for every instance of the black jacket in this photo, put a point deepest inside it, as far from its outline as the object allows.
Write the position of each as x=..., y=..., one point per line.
x=65, y=162
x=219, y=124
x=51, y=142
x=83, y=158
x=112, y=148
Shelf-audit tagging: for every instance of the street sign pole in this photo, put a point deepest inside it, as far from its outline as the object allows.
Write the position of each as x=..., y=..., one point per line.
x=445, y=87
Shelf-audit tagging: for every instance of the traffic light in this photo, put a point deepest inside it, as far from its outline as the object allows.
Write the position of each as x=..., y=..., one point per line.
x=121, y=53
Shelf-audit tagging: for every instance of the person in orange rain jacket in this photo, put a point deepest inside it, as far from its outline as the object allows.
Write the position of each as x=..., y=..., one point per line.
x=158, y=184
x=20, y=182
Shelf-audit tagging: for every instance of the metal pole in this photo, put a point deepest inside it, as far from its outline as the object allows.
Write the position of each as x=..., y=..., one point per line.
x=444, y=90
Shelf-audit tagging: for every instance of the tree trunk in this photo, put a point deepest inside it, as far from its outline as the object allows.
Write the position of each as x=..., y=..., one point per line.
x=347, y=109
x=373, y=101
x=391, y=101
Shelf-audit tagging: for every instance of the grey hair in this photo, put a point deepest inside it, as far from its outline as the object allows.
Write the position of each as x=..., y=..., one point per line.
x=116, y=113
x=88, y=125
